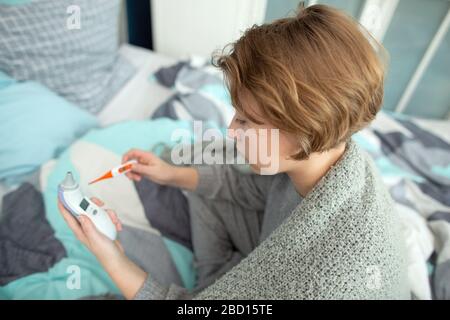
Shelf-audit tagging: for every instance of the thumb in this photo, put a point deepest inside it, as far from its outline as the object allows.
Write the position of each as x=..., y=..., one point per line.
x=140, y=168
x=89, y=228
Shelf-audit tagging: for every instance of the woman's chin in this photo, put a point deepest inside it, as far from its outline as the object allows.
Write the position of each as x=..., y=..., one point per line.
x=255, y=168
x=266, y=170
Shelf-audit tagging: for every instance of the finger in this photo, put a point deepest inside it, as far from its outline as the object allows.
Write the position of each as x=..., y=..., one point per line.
x=115, y=219
x=112, y=216
x=129, y=175
x=139, y=169
x=119, y=245
x=134, y=175
x=141, y=156
x=62, y=209
x=72, y=223
x=133, y=154
x=136, y=178
x=118, y=226
x=127, y=155
x=78, y=232
x=97, y=201
x=89, y=229
x=68, y=217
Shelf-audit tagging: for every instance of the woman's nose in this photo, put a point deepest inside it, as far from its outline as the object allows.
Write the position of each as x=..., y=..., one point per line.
x=231, y=134
x=231, y=131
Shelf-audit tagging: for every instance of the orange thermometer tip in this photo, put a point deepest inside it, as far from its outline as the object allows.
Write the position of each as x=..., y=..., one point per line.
x=103, y=177
x=127, y=166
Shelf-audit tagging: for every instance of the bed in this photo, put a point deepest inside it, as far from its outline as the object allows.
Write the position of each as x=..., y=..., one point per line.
x=413, y=156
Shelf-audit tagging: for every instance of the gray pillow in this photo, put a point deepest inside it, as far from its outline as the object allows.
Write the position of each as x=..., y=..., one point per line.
x=41, y=41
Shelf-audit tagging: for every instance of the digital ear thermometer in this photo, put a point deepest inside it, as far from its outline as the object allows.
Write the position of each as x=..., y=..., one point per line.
x=123, y=168
x=70, y=195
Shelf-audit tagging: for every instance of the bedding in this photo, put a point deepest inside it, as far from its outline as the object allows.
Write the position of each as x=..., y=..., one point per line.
x=36, y=125
x=24, y=252
x=40, y=40
x=415, y=165
x=89, y=156
x=200, y=93
x=140, y=96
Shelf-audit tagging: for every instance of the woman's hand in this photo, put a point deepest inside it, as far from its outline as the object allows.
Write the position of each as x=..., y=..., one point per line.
x=154, y=168
x=126, y=274
x=84, y=229
x=149, y=166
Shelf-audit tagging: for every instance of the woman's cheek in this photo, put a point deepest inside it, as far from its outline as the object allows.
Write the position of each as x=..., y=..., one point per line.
x=241, y=145
x=259, y=147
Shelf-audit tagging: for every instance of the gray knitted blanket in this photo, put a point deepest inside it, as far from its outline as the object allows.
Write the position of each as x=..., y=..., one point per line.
x=342, y=242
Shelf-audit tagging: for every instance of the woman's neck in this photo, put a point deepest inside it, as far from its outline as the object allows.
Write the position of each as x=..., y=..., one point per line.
x=306, y=174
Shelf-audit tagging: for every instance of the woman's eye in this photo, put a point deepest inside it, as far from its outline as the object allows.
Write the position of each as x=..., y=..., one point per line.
x=240, y=121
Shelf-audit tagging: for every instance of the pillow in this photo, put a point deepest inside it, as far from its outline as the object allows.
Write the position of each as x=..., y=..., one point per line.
x=14, y=2
x=41, y=41
x=35, y=126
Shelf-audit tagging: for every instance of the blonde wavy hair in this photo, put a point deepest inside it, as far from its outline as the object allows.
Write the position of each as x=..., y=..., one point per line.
x=317, y=75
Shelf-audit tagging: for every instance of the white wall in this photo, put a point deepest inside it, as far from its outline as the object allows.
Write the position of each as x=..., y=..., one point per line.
x=183, y=28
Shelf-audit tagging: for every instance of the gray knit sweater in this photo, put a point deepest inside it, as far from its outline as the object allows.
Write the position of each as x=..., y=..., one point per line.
x=342, y=241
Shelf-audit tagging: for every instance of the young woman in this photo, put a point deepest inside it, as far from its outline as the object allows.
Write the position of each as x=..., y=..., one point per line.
x=322, y=226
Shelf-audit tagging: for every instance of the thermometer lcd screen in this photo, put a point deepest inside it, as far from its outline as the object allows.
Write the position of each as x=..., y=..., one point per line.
x=84, y=204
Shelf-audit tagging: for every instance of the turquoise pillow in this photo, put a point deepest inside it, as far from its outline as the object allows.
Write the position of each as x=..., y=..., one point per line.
x=35, y=126
x=14, y=2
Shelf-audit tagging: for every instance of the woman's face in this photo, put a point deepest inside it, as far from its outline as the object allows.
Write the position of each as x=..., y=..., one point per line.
x=267, y=149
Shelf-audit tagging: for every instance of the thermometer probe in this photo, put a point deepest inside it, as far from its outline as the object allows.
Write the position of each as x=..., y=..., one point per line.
x=114, y=172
